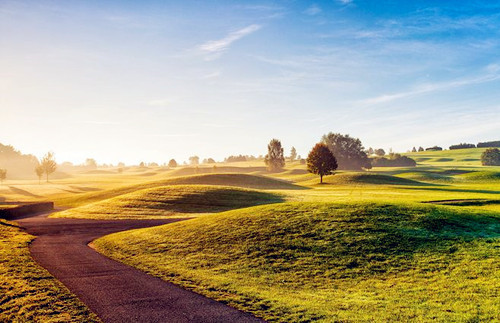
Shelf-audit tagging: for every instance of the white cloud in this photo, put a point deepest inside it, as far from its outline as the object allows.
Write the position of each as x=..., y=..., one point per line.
x=346, y=1
x=219, y=46
x=313, y=10
x=431, y=87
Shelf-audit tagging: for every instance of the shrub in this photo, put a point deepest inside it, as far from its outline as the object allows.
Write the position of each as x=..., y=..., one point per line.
x=462, y=146
x=488, y=144
x=435, y=148
x=491, y=157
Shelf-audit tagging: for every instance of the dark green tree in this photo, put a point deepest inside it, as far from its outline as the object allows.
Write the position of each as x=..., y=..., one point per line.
x=491, y=157
x=348, y=151
x=321, y=161
x=275, y=160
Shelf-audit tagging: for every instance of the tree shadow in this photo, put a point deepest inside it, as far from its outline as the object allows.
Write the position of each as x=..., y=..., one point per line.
x=461, y=190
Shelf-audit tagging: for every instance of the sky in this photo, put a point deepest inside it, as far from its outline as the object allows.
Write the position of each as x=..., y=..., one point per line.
x=132, y=81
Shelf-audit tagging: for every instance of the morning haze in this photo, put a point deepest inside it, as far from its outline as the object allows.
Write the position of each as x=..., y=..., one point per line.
x=272, y=161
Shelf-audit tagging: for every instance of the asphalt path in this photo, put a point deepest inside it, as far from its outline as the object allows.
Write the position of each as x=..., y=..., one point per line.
x=114, y=291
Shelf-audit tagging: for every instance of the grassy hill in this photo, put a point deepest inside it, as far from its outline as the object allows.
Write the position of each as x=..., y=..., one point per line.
x=329, y=261
x=174, y=200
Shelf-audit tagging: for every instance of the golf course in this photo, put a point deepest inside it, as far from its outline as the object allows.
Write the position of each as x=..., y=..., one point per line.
x=385, y=244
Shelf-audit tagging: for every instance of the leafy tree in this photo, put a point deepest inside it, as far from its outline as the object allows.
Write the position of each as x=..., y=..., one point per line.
x=293, y=154
x=348, y=151
x=172, y=163
x=210, y=161
x=3, y=175
x=491, y=157
x=434, y=148
x=142, y=164
x=90, y=163
x=488, y=144
x=275, y=160
x=379, y=152
x=194, y=160
x=49, y=164
x=420, y=148
x=414, y=150
x=39, y=170
x=370, y=151
x=321, y=161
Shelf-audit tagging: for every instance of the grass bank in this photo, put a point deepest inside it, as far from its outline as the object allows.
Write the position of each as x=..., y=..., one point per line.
x=324, y=261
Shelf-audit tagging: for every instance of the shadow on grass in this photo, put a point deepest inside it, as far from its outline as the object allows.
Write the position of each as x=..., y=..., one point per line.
x=460, y=190
x=464, y=202
x=23, y=192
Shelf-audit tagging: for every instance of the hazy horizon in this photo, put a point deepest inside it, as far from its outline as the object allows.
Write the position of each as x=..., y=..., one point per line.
x=152, y=80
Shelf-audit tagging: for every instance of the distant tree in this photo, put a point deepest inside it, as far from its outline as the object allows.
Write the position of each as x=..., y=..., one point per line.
x=49, y=164
x=3, y=175
x=491, y=157
x=434, y=148
x=395, y=160
x=379, y=152
x=210, y=161
x=488, y=144
x=90, y=163
x=153, y=164
x=142, y=164
x=370, y=151
x=194, y=160
x=299, y=157
x=275, y=160
x=414, y=150
x=321, y=161
x=172, y=163
x=293, y=154
x=302, y=161
x=420, y=148
x=39, y=170
x=121, y=164
x=233, y=159
x=462, y=146
x=348, y=151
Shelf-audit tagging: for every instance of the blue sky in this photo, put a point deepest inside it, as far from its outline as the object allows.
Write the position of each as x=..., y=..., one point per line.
x=153, y=80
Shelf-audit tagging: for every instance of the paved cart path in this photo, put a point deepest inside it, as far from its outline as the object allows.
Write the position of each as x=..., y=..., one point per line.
x=114, y=291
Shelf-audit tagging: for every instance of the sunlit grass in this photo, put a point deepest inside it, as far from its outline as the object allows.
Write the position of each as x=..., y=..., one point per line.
x=28, y=293
x=330, y=261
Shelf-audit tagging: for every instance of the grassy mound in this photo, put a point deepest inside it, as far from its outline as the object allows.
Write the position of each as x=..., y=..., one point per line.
x=175, y=200
x=28, y=293
x=237, y=180
x=369, y=178
x=482, y=176
x=330, y=262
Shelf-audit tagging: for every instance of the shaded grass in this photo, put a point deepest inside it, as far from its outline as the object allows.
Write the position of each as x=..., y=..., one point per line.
x=328, y=261
x=28, y=293
x=174, y=200
x=236, y=180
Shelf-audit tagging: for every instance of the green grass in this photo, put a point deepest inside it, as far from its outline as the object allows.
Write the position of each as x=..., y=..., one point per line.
x=28, y=293
x=330, y=261
x=237, y=180
x=172, y=201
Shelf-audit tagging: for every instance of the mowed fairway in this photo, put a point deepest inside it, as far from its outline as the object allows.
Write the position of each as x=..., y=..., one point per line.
x=388, y=244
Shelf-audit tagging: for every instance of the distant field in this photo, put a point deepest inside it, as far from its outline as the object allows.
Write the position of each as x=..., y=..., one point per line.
x=389, y=244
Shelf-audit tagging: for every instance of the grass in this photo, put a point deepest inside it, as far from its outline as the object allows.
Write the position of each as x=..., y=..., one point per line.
x=330, y=261
x=28, y=293
x=172, y=201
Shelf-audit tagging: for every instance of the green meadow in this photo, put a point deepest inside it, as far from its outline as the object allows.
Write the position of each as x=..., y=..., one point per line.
x=389, y=244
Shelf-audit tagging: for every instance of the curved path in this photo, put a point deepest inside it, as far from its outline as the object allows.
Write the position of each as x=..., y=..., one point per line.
x=114, y=291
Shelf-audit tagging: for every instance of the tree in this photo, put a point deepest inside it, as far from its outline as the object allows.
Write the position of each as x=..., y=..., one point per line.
x=348, y=151
x=3, y=175
x=90, y=163
x=321, y=161
x=39, y=170
x=275, y=160
x=172, y=163
x=420, y=149
x=210, y=161
x=491, y=157
x=379, y=152
x=293, y=154
x=49, y=164
x=414, y=150
x=194, y=160
x=370, y=151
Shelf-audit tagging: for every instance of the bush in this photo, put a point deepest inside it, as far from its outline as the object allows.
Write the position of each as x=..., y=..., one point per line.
x=462, y=146
x=435, y=148
x=395, y=161
x=491, y=157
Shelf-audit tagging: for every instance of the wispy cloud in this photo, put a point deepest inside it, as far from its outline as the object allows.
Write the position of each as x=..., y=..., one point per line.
x=313, y=10
x=221, y=45
x=346, y=1
x=432, y=87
